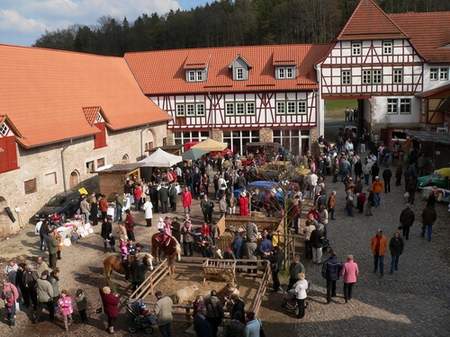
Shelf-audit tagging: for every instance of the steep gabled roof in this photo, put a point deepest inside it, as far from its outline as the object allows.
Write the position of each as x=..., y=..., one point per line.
x=163, y=72
x=369, y=21
x=44, y=91
x=429, y=33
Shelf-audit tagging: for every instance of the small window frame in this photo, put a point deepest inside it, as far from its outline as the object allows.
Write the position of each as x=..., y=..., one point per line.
x=356, y=48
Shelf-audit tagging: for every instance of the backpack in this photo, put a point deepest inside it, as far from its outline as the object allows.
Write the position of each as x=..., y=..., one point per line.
x=324, y=269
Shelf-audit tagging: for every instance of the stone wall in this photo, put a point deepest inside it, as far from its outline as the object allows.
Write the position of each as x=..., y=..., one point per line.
x=45, y=164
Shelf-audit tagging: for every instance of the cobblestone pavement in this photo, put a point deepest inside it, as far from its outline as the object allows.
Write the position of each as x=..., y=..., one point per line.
x=415, y=301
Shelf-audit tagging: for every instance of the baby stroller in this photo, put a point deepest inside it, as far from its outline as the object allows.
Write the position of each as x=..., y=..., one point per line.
x=141, y=319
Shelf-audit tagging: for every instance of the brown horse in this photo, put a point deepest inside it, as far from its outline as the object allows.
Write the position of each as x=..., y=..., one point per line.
x=114, y=263
x=171, y=250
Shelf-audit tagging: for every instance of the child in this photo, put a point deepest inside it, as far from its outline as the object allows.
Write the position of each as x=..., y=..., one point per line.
x=123, y=249
x=361, y=200
x=81, y=305
x=65, y=308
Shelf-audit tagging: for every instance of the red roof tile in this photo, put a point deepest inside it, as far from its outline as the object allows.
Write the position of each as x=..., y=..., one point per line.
x=43, y=92
x=369, y=21
x=91, y=113
x=194, y=61
x=163, y=72
x=429, y=32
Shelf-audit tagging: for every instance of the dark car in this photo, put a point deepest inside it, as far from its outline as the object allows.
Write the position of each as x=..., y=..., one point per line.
x=64, y=204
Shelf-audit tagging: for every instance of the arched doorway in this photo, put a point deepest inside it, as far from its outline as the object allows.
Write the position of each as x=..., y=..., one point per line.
x=125, y=159
x=74, y=179
x=149, y=140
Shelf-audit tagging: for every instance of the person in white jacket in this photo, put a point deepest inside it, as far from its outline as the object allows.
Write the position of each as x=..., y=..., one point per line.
x=148, y=209
x=300, y=293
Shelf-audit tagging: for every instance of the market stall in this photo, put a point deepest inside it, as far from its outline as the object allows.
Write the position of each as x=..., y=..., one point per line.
x=112, y=179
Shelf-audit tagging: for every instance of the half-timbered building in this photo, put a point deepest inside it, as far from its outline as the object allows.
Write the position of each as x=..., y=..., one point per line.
x=235, y=94
x=390, y=62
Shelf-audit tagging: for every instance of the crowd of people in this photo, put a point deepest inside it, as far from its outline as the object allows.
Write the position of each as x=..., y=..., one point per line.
x=364, y=170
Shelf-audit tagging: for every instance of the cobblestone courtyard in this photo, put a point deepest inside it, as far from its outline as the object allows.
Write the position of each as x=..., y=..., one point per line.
x=415, y=301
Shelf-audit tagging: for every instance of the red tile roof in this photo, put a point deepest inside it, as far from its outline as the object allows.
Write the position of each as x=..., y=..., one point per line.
x=369, y=21
x=91, y=113
x=44, y=91
x=429, y=32
x=163, y=72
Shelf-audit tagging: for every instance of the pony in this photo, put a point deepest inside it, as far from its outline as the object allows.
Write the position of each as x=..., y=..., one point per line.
x=171, y=250
x=114, y=263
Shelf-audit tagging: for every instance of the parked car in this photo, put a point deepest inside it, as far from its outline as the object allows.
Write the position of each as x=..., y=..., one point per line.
x=64, y=204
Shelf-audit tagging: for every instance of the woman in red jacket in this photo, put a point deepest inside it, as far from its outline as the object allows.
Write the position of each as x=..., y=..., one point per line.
x=137, y=193
x=110, y=306
x=243, y=205
x=186, y=198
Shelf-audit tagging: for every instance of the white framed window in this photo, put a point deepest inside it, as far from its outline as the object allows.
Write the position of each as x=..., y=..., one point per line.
x=190, y=110
x=346, y=77
x=200, y=109
x=101, y=162
x=387, y=47
x=281, y=107
x=191, y=76
x=366, y=76
x=240, y=108
x=377, y=76
x=90, y=166
x=281, y=73
x=434, y=72
x=443, y=74
x=392, y=108
x=301, y=107
x=397, y=76
x=229, y=109
x=290, y=72
x=199, y=75
x=356, y=48
x=4, y=129
x=291, y=108
x=240, y=74
x=405, y=106
x=250, y=108
x=179, y=110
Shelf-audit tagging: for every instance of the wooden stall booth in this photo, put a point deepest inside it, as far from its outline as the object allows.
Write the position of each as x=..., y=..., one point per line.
x=113, y=179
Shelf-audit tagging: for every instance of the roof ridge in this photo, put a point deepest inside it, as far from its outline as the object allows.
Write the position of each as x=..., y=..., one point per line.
x=419, y=13
x=59, y=50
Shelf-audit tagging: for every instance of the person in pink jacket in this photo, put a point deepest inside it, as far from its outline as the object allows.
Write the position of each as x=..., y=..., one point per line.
x=65, y=308
x=10, y=295
x=186, y=198
x=349, y=274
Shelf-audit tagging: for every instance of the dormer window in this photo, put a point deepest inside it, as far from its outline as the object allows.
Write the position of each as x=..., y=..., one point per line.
x=196, y=75
x=285, y=72
x=239, y=68
x=356, y=48
x=4, y=129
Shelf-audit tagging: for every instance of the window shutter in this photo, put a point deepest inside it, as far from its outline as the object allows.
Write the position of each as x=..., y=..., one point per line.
x=8, y=154
x=100, y=138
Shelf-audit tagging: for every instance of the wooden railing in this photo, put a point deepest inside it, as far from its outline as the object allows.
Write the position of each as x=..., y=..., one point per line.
x=149, y=284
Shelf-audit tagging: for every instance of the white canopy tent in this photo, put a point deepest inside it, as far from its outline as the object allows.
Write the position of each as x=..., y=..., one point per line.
x=160, y=158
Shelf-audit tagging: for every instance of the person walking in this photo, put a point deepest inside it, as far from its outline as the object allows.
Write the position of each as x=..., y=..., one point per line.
x=129, y=225
x=163, y=311
x=173, y=194
x=331, y=203
x=44, y=292
x=85, y=208
x=276, y=263
x=254, y=326
x=207, y=207
x=103, y=206
x=93, y=209
x=118, y=207
x=65, y=308
x=202, y=327
x=331, y=270
x=377, y=188
x=396, y=248
x=10, y=295
x=300, y=293
x=163, y=196
x=316, y=244
x=370, y=202
x=110, y=303
x=28, y=287
x=378, y=245
x=398, y=175
x=349, y=272
x=429, y=216
x=52, y=244
x=106, y=234
x=407, y=218
x=186, y=200
x=387, y=175
x=148, y=210
x=82, y=305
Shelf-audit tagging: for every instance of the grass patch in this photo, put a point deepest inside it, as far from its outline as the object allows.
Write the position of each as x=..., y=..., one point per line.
x=334, y=108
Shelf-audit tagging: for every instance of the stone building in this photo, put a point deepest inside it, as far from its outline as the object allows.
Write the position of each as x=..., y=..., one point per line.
x=64, y=115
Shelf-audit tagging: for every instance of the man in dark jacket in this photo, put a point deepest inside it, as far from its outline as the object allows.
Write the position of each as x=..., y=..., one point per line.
x=106, y=234
x=154, y=197
x=387, y=175
x=396, y=248
x=295, y=268
x=163, y=196
x=52, y=244
x=207, y=207
x=406, y=220
x=173, y=197
x=214, y=312
x=202, y=326
x=375, y=170
x=276, y=262
x=330, y=271
x=428, y=218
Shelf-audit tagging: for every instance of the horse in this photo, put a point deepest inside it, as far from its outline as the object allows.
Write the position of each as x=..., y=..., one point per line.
x=114, y=263
x=171, y=250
